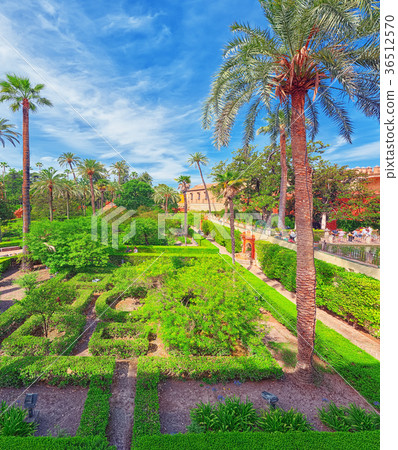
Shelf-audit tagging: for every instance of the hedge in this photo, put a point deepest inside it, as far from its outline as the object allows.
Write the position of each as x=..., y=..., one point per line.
x=212, y=229
x=85, y=281
x=174, y=249
x=56, y=370
x=369, y=440
x=54, y=443
x=10, y=318
x=83, y=299
x=107, y=340
x=353, y=296
x=13, y=243
x=5, y=262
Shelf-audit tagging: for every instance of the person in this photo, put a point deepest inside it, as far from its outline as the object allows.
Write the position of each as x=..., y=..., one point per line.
x=135, y=250
x=341, y=233
x=350, y=236
x=292, y=236
x=355, y=234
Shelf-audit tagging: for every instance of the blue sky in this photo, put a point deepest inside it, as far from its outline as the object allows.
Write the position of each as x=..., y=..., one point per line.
x=128, y=80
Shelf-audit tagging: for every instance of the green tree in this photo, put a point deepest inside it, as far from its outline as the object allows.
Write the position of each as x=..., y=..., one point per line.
x=121, y=169
x=7, y=134
x=146, y=178
x=135, y=193
x=71, y=160
x=325, y=47
x=90, y=168
x=19, y=92
x=198, y=159
x=51, y=182
x=164, y=195
x=184, y=183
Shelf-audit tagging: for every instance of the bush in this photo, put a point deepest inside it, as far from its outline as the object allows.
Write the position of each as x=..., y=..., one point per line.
x=54, y=443
x=12, y=421
x=351, y=418
x=95, y=416
x=278, y=420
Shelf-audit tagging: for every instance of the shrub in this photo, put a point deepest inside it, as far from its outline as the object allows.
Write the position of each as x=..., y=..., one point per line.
x=351, y=418
x=12, y=421
x=95, y=416
x=283, y=421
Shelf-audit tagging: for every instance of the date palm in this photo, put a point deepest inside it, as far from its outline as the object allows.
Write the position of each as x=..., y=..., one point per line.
x=278, y=125
x=121, y=169
x=184, y=183
x=164, y=194
x=69, y=159
x=325, y=48
x=229, y=185
x=7, y=133
x=198, y=159
x=4, y=166
x=90, y=168
x=20, y=93
x=50, y=182
x=102, y=186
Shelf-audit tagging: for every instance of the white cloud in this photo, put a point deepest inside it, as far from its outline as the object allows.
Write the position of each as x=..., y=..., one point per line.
x=351, y=154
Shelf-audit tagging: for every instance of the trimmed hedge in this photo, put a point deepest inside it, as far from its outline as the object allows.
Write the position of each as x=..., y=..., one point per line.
x=353, y=296
x=54, y=443
x=56, y=370
x=14, y=316
x=13, y=243
x=107, y=340
x=174, y=249
x=369, y=440
x=85, y=281
x=213, y=229
x=5, y=262
x=82, y=300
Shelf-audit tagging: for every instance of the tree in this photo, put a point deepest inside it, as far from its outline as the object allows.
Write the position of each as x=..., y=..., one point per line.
x=20, y=93
x=198, y=159
x=7, y=134
x=164, y=194
x=184, y=183
x=71, y=160
x=327, y=47
x=230, y=185
x=102, y=187
x=121, y=169
x=134, y=194
x=146, y=178
x=278, y=125
x=51, y=182
x=68, y=190
x=90, y=168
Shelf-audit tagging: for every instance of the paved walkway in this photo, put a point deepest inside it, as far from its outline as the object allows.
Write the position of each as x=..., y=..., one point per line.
x=361, y=339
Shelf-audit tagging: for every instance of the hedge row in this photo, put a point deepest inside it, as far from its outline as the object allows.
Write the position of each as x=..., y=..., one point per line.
x=353, y=296
x=54, y=443
x=83, y=299
x=174, y=249
x=13, y=243
x=5, y=262
x=86, y=281
x=369, y=440
x=56, y=370
x=222, y=238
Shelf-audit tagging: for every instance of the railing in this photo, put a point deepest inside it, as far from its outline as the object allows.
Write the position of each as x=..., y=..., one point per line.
x=363, y=253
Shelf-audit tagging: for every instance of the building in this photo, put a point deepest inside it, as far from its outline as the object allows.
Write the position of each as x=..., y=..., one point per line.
x=197, y=199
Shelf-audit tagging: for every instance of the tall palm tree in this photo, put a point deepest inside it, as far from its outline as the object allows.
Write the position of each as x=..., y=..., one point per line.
x=21, y=93
x=325, y=47
x=39, y=165
x=71, y=160
x=198, y=159
x=6, y=133
x=146, y=178
x=184, y=183
x=112, y=189
x=68, y=190
x=91, y=169
x=164, y=194
x=51, y=182
x=4, y=166
x=229, y=184
x=121, y=169
x=102, y=186
x=278, y=125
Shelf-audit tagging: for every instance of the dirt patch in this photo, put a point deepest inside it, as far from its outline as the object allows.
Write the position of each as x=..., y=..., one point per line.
x=178, y=397
x=157, y=347
x=81, y=347
x=55, y=333
x=128, y=304
x=59, y=408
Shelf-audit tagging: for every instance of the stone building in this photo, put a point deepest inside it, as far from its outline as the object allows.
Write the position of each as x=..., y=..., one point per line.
x=197, y=199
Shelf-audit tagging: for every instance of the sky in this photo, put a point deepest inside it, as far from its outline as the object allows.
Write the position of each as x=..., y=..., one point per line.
x=128, y=80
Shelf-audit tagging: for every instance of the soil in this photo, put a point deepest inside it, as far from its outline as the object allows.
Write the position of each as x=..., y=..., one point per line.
x=157, y=347
x=81, y=347
x=59, y=408
x=54, y=333
x=128, y=304
x=10, y=292
x=121, y=404
x=178, y=397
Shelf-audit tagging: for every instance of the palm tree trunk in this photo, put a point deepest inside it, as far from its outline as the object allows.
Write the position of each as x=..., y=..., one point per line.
x=283, y=187
x=204, y=185
x=4, y=184
x=50, y=202
x=166, y=206
x=102, y=199
x=305, y=275
x=74, y=175
x=232, y=228
x=26, y=178
x=185, y=217
x=92, y=193
x=67, y=205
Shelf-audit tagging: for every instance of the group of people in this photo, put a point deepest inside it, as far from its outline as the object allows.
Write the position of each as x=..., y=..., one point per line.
x=352, y=235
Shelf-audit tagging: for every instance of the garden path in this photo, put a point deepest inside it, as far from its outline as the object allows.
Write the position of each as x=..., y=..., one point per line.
x=121, y=404
x=361, y=339
x=81, y=348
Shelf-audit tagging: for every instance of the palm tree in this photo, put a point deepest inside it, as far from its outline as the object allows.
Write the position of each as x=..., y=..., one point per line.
x=184, y=183
x=229, y=184
x=39, y=165
x=121, y=169
x=198, y=159
x=91, y=169
x=112, y=188
x=51, y=182
x=21, y=93
x=327, y=47
x=102, y=186
x=164, y=194
x=146, y=178
x=6, y=133
x=278, y=125
x=69, y=159
x=4, y=166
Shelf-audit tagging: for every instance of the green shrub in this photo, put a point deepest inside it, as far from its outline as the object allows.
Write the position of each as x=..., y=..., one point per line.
x=351, y=418
x=12, y=421
x=54, y=443
x=278, y=420
x=6, y=262
x=95, y=416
